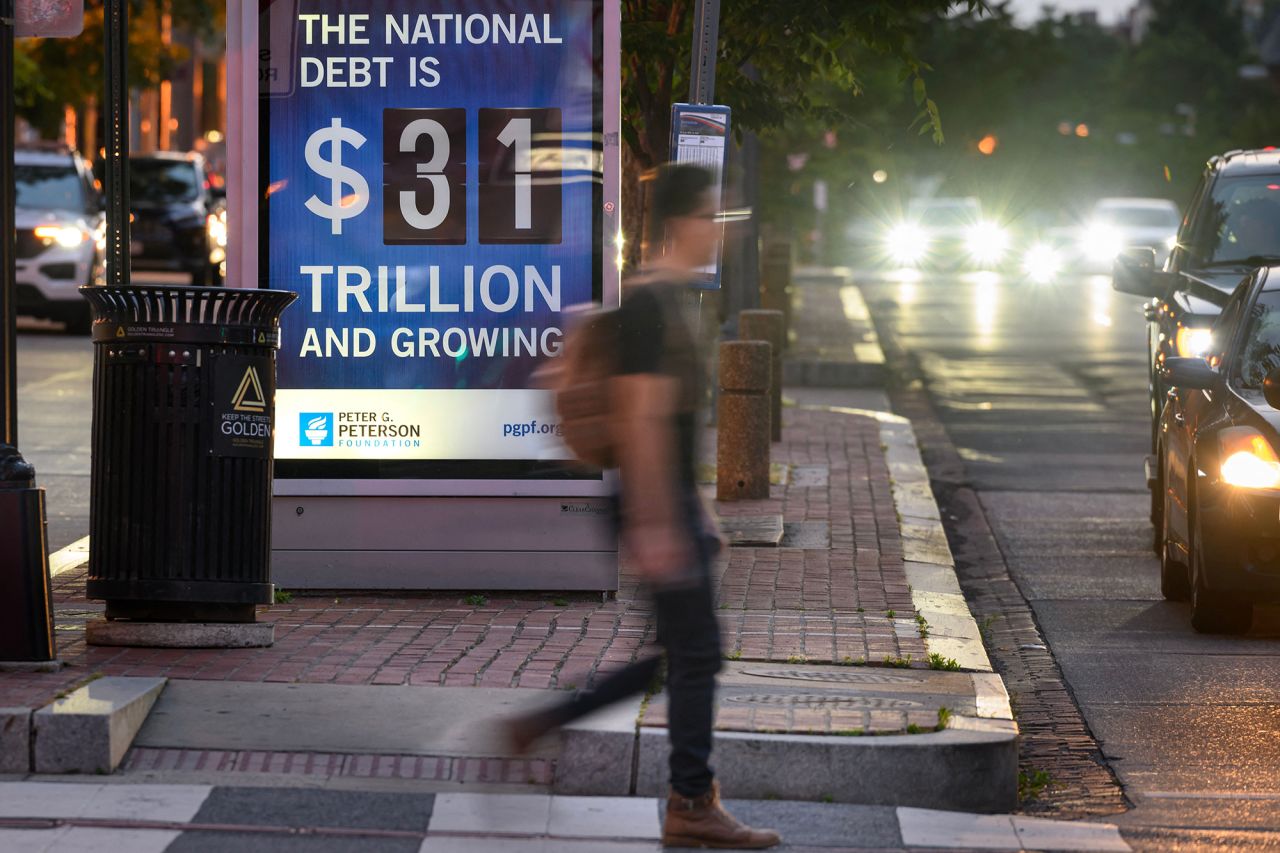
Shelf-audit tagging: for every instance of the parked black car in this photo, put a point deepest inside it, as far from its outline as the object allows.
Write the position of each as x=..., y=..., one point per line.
x=1218, y=452
x=1231, y=226
x=179, y=216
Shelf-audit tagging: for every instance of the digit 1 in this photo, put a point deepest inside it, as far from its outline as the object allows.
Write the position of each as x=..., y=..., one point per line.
x=519, y=133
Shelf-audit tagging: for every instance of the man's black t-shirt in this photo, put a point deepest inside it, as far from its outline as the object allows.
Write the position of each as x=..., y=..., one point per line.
x=653, y=337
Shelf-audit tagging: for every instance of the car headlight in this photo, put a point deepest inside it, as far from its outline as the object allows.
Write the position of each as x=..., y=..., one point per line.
x=986, y=242
x=1042, y=263
x=1101, y=243
x=217, y=228
x=1192, y=342
x=906, y=244
x=1171, y=242
x=1248, y=460
x=68, y=236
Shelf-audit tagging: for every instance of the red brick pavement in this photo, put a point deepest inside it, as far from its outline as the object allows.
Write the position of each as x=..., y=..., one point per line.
x=780, y=604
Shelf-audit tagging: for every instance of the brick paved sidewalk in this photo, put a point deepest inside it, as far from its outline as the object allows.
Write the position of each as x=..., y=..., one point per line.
x=815, y=604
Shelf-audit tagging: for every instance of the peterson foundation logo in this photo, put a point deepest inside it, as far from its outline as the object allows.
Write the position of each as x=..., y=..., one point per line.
x=249, y=396
x=317, y=427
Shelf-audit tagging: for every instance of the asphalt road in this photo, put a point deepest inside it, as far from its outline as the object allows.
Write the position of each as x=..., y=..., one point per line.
x=1042, y=391
x=55, y=393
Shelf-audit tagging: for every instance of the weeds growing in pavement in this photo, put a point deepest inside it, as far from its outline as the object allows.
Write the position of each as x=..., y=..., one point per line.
x=937, y=661
x=922, y=625
x=560, y=602
x=898, y=663
x=861, y=610
x=736, y=654
x=849, y=732
x=985, y=627
x=913, y=729
x=477, y=600
x=797, y=659
x=891, y=613
x=848, y=661
x=283, y=596
x=1032, y=784
x=944, y=717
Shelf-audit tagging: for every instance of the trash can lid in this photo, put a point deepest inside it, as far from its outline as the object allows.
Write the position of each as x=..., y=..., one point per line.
x=188, y=305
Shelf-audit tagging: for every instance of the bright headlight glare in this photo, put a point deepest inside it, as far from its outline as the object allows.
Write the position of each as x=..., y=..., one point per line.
x=1101, y=243
x=217, y=227
x=906, y=244
x=1193, y=343
x=1248, y=460
x=1171, y=242
x=987, y=242
x=1042, y=263
x=68, y=237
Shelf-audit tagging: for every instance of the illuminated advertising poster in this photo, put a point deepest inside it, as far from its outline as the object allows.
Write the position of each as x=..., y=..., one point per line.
x=432, y=189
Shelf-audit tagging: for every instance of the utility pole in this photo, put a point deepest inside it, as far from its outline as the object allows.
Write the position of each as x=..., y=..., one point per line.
x=8, y=234
x=706, y=40
x=26, y=611
x=116, y=123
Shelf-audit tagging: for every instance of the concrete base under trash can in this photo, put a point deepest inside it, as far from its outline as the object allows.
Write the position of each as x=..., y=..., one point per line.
x=181, y=635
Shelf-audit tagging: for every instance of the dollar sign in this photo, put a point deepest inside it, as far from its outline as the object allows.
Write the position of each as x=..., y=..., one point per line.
x=335, y=210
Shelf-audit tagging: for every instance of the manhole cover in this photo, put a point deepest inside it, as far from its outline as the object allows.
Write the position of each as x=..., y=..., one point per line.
x=818, y=700
x=851, y=677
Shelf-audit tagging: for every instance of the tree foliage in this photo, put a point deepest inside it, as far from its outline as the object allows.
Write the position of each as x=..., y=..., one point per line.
x=53, y=73
x=780, y=65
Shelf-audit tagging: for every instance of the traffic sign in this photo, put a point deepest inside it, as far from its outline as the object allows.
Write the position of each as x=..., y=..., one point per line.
x=48, y=18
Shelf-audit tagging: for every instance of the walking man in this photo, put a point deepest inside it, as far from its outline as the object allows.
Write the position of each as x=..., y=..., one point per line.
x=667, y=533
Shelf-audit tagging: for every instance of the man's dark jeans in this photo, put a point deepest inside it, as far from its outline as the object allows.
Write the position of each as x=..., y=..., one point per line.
x=690, y=636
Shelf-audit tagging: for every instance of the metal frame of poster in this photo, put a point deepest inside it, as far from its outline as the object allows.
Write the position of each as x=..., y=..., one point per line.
x=440, y=187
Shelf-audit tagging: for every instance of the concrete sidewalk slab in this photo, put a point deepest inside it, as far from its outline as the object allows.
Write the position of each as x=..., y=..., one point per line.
x=437, y=721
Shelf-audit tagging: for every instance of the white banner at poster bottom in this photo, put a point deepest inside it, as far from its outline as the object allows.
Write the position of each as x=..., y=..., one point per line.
x=416, y=424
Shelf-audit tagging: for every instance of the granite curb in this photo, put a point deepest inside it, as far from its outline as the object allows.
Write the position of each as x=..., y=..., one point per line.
x=87, y=731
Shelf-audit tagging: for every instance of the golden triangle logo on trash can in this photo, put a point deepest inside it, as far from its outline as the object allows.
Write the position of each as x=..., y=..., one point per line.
x=249, y=396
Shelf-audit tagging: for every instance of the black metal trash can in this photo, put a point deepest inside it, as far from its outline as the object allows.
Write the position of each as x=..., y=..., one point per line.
x=183, y=416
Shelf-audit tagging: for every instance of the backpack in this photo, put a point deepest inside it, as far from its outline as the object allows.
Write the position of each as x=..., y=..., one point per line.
x=579, y=382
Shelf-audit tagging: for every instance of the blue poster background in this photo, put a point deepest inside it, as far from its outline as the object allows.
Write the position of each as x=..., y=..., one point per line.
x=563, y=76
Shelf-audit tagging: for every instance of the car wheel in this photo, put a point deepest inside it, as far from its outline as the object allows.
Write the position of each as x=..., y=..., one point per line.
x=1174, y=585
x=1212, y=612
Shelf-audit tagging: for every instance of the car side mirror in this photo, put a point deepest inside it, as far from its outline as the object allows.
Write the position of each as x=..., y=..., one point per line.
x=1191, y=373
x=1271, y=388
x=1134, y=271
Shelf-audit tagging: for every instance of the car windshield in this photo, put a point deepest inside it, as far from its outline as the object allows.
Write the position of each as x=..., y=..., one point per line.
x=1241, y=221
x=1260, y=353
x=944, y=215
x=49, y=187
x=162, y=180
x=1139, y=217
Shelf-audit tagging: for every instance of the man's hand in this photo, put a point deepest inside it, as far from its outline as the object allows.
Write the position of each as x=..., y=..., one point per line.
x=661, y=552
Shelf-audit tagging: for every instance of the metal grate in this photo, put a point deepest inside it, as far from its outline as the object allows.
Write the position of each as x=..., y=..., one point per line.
x=211, y=306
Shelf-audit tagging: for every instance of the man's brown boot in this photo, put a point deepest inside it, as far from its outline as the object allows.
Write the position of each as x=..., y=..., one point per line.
x=703, y=822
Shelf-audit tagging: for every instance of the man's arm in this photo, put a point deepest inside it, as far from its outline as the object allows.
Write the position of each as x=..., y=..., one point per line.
x=645, y=404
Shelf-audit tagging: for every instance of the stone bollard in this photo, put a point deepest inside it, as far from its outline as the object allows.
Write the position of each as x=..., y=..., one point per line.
x=776, y=263
x=768, y=326
x=742, y=431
